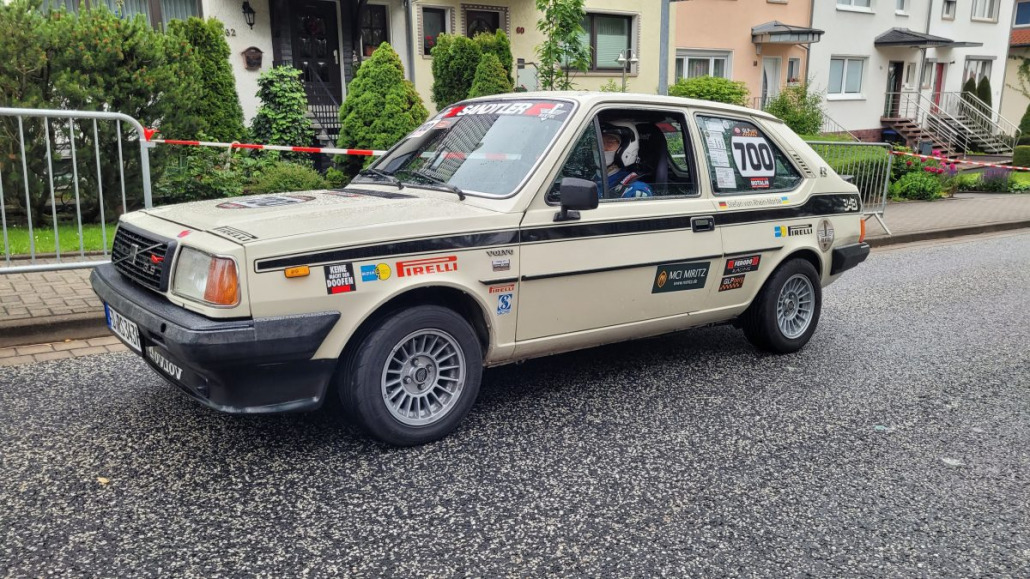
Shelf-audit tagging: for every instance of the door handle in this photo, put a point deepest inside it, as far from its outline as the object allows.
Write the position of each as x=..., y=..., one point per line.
x=705, y=223
x=336, y=56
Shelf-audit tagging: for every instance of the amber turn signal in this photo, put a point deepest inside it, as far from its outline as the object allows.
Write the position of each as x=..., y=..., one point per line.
x=861, y=235
x=301, y=271
x=223, y=286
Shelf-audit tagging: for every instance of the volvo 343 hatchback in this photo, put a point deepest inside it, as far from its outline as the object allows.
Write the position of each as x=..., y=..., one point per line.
x=502, y=229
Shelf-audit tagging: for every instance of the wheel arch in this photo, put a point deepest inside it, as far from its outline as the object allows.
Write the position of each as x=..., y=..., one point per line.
x=809, y=255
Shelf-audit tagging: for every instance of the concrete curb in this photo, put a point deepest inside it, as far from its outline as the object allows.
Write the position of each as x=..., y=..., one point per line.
x=53, y=329
x=884, y=240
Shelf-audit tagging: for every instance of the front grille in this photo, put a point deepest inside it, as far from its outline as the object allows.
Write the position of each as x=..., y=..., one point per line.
x=135, y=261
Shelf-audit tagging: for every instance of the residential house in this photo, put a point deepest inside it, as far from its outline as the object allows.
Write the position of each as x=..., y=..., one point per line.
x=888, y=61
x=764, y=43
x=1013, y=99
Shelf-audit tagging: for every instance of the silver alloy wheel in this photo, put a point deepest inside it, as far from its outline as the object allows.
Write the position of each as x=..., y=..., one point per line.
x=795, y=306
x=424, y=377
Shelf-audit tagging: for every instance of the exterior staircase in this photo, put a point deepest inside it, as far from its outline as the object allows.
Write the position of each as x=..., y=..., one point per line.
x=954, y=122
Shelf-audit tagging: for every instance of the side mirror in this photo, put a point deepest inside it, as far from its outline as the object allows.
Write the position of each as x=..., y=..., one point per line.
x=576, y=195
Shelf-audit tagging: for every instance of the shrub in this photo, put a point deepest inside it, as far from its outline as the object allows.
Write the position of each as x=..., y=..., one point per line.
x=969, y=88
x=983, y=90
x=920, y=185
x=381, y=106
x=195, y=174
x=711, y=88
x=499, y=45
x=995, y=181
x=490, y=78
x=798, y=108
x=282, y=117
x=1021, y=156
x=217, y=106
x=612, y=86
x=1024, y=128
x=284, y=177
x=455, y=58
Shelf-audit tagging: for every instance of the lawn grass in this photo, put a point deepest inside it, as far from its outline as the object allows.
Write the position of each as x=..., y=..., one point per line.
x=92, y=234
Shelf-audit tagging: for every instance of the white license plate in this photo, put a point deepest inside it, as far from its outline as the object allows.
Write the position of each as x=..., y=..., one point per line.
x=124, y=328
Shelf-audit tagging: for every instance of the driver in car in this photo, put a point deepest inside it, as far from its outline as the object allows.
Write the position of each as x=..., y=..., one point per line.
x=621, y=148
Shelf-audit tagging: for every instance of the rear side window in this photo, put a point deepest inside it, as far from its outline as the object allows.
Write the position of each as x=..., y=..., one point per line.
x=742, y=160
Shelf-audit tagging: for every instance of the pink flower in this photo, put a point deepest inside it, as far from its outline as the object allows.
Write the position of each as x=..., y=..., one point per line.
x=909, y=163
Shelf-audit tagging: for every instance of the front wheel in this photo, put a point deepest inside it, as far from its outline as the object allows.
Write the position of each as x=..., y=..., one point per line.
x=413, y=378
x=786, y=311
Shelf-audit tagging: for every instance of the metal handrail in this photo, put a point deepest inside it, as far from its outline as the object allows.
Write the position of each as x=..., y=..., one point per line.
x=968, y=104
x=928, y=115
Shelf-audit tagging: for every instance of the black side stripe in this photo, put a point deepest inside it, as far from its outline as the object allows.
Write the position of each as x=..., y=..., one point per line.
x=616, y=268
x=753, y=251
x=427, y=245
x=818, y=205
x=498, y=281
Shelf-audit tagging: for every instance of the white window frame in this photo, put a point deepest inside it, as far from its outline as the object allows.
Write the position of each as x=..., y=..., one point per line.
x=981, y=66
x=634, y=43
x=843, y=95
x=684, y=56
x=901, y=7
x=929, y=70
x=850, y=6
x=991, y=12
x=948, y=9
x=790, y=61
x=909, y=78
x=448, y=25
x=1015, y=12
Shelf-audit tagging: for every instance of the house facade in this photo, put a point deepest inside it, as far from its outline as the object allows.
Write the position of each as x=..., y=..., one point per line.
x=763, y=43
x=880, y=58
x=1013, y=101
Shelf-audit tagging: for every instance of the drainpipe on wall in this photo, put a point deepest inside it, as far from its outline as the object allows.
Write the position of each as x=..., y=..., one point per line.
x=808, y=47
x=663, y=51
x=922, y=53
x=408, y=7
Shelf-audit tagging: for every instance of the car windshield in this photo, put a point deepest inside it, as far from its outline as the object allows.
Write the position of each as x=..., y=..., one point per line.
x=483, y=147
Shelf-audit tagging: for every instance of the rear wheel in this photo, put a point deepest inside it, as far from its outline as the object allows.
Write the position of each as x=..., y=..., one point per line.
x=414, y=377
x=786, y=311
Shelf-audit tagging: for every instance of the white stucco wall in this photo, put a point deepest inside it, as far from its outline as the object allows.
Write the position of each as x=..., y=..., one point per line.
x=1013, y=101
x=230, y=13
x=850, y=33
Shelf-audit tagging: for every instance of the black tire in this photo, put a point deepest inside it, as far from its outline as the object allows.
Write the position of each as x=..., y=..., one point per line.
x=365, y=383
x=760, y=322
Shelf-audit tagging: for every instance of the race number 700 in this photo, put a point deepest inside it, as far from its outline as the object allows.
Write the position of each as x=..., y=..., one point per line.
x=754, y=157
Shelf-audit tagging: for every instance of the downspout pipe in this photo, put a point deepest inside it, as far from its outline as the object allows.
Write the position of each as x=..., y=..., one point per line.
x=663, y=51
x=922, y=52
x=410, y=37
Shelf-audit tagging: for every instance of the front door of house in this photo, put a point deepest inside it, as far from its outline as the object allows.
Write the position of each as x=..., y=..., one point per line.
x=938, y=82
x=316, y=49
x=895, y=71
x=770, y=79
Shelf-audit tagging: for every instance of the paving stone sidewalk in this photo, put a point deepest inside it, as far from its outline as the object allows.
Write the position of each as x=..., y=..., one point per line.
x=59, y=350
x=44, y=307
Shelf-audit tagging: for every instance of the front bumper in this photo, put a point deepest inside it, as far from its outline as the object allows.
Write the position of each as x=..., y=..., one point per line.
x=847, y=257
x=240, y=366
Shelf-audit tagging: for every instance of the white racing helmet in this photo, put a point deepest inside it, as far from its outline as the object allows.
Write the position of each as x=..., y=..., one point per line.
x=629, y=141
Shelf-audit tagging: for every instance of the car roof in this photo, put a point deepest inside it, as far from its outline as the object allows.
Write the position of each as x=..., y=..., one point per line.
x=591, y=98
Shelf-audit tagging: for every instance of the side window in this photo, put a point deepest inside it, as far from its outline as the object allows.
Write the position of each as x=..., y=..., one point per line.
x=742, y=160
x=583, y=163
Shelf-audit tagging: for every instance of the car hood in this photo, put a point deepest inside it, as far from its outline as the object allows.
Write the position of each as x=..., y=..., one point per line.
x=273, y=216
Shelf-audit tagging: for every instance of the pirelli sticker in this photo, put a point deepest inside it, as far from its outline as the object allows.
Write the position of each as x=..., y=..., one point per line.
x=742, y=264
x=676, y=277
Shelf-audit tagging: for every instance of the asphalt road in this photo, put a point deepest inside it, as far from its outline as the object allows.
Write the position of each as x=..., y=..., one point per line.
x=896, y=444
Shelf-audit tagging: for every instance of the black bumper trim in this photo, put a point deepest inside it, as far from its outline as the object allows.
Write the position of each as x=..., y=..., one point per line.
x=847, y=257
x=240, y=365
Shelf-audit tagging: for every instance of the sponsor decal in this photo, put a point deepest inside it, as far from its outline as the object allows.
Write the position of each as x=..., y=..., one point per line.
x=501, y=264
x=503, y=304
x=784, y=200
x=745, y=131
x=500, y=289
x=183, y=233
x=824, y=233
x=731, y=283
x=233, y=233
x=265, y=201
x=500, y=252
x=759, y=182
x=544, y=110
x=426, y=266
x=675, y=277
x=378, y=272
x=742, y=264
x=792, y=230
x=752, y=203
x=339, y=278
x=163, y=363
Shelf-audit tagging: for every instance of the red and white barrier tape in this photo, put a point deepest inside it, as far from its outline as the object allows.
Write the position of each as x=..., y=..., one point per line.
x=325, y=150
x=954, y=162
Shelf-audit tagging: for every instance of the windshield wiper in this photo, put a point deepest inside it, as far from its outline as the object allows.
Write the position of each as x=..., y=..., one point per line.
x=438, y=181
x=377, y=173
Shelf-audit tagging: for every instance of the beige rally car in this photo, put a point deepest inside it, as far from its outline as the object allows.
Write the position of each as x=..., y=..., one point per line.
x=502, y=229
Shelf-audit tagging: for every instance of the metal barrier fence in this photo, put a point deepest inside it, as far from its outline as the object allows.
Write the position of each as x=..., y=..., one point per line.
x=867, y=165
x=56, y=162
